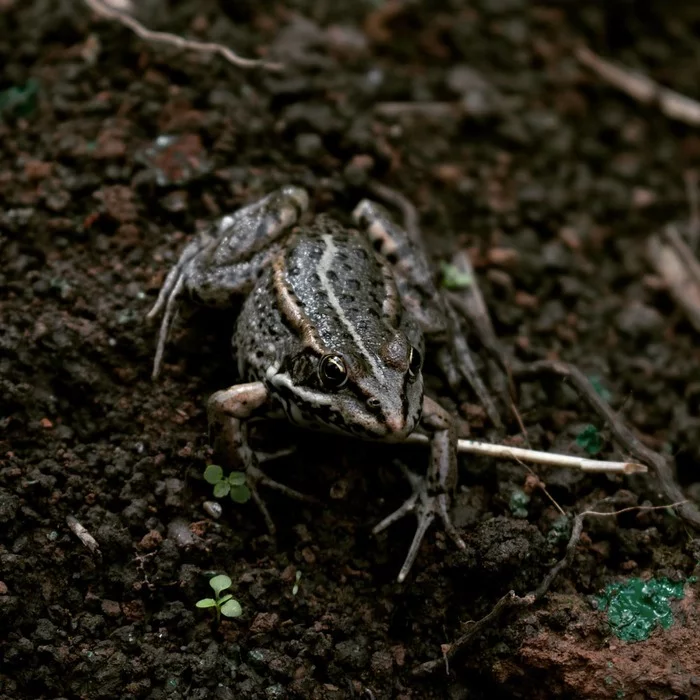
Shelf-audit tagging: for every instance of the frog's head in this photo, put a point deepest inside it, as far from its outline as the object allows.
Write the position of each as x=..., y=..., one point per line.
x=374, y=395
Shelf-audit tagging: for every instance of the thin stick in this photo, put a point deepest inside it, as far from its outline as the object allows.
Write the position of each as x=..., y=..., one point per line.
x=691, y=188
x=547, y=459
x=512, y=601
x=83, y=535
x=576, y=531
x=507, y=602
x=103, y=9
x=674, y=271
x=642, y=88
x=542, y=485
x=579, y=382
x=684, y=252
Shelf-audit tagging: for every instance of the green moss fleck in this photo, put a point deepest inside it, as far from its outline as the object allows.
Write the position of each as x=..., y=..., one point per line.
x=518, y=502
x=589, y=439
x=635, y=607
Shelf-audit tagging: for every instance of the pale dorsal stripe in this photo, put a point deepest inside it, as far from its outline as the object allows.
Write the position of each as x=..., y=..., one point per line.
x=325, y=264
x=289, y=306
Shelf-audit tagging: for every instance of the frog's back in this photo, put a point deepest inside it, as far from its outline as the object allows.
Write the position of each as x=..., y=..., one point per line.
x=327, y=290
x=339, y=283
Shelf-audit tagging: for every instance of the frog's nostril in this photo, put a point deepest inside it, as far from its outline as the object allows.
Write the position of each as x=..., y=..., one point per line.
x=374, y=404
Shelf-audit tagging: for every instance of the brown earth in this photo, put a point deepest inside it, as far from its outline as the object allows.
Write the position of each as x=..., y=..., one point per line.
x=479, y=114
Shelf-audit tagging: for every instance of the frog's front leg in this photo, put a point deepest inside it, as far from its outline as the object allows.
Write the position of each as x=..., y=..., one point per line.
x=229, y=411
x=431, y=494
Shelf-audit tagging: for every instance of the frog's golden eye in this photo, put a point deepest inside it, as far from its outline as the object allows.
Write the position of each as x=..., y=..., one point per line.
x=332, y=371
x=415, y=361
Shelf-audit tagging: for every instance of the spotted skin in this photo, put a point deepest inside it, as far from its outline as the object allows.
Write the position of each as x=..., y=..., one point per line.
x=323, y=335
x=323, y=307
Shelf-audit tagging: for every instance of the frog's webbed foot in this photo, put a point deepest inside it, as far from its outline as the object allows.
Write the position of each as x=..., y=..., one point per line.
x=426, y=505
x=225, y=259
x=431, y=495
x=229, y=411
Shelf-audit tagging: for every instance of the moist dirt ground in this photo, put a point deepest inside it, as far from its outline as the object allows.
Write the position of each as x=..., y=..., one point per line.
x=114, y=150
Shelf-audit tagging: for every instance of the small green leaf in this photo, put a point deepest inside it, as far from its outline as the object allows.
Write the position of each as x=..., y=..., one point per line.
x=220, y=583
x=240, y=494
x=454, y=278
x=213, y=473
x=236, y=478
x=231, y=608
x=225, y=598
x=221, y=489
x=589, y=439
x=206, y=603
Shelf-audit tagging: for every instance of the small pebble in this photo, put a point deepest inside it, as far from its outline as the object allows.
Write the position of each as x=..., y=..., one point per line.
x=504, y=257
x=213, y=509
x=638, y=319
x=308, y=145
x=179, y=532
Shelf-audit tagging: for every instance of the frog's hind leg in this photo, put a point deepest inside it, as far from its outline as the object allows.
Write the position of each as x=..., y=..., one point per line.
x=424, y=300
x=229, y=411
x=456, y=361
x=223, y=261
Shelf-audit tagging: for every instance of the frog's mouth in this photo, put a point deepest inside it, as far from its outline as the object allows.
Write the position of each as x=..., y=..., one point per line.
x=347, y=418
x=387, y=416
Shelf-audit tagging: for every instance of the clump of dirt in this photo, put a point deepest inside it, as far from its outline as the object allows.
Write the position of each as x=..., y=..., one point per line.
x=114, y=151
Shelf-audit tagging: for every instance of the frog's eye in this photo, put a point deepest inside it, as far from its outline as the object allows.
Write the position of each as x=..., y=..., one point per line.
x=415, y=362
x=332, y=371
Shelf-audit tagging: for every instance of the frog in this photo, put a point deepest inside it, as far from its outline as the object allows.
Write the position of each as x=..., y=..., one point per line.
x=330, y=335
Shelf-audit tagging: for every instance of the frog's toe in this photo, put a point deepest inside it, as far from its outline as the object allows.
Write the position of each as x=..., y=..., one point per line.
x=263, y=457
x=256, y=477
x=425, y=506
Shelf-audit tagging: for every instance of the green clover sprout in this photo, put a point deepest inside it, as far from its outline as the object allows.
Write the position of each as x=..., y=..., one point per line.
x=232, y=485
x=225, y=605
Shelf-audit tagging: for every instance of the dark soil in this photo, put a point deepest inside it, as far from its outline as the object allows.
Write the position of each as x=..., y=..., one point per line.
x=549, y=178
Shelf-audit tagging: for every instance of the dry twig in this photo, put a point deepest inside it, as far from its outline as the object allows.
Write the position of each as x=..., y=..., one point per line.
x=108, y=10
x=674, y=261
x=690, y=178
x=511, y=601
x=642, y=88
x=670, y=489
x=546, y=459
x=83, y=535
